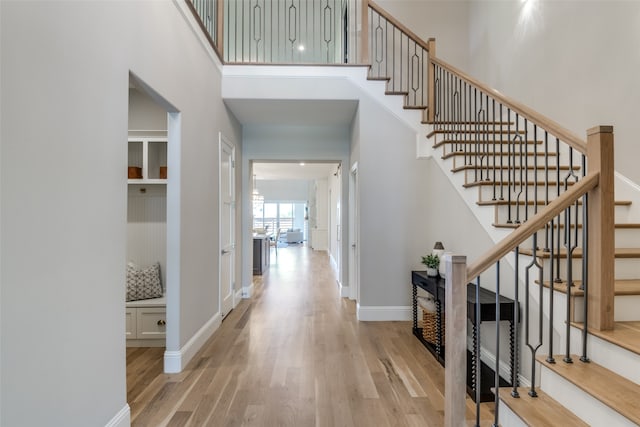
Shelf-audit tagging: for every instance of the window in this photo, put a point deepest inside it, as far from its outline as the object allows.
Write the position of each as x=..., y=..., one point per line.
x=273, y=216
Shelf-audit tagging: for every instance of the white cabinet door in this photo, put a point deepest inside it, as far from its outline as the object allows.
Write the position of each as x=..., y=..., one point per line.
x=151, y=323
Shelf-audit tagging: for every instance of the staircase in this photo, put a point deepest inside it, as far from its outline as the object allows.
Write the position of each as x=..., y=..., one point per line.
x=484, y=153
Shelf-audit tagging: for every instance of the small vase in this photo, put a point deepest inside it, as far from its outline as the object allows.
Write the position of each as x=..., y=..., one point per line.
x=432, y=272
x=443, y=265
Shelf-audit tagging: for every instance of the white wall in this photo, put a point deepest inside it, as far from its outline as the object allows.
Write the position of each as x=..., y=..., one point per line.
x=64, y=78
x=575, y=62
x=287, y=190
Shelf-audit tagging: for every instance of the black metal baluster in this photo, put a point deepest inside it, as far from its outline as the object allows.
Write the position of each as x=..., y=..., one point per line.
x=585, y=263
x=502, y=154
x=509, y=148
x=497, y=367
x=515, y=345
x=477, y=362
x=493, y=160
x=570, y=246
x=535, y=170
x=533, y=346
x=558, y=231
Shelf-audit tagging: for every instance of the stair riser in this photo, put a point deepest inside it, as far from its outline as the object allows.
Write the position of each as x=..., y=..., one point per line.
x=620, y=213
x=473, y=175
x=517, y=192
x=625, y=308
x=508, y=418
x=625, y=268
x=628, y=238
x=617, y=359
x=497, y=160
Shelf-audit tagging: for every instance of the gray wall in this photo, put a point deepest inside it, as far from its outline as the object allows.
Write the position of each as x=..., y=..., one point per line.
x=446, y=20
x=65, y=76
x=267, y=142
x=393, y=204
x=144, y=113
x=287, y=190
x=576, y=62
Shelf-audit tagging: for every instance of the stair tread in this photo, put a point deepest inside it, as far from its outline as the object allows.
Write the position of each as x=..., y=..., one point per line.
x=543, y=203
x=481, y=142
x=541, y=411
x=611, y=389
x=627, y=226
x=539, y=168
x=475, y=153
x=505, y=183
x=415, y=107
x=470, y=123
x=577, y=253
x=624, y=334
x=399, y=92
x=379, y=79
x=621, y=287
x=485, y=131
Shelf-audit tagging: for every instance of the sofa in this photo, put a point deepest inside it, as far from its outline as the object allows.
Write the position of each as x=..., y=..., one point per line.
x=292, y=236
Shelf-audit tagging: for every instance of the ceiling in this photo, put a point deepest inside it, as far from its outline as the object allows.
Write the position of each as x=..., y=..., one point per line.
x=288, y=112
x=293, y=112
x=293, y=171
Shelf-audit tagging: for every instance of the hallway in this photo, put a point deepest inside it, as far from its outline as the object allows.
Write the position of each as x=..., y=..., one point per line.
x=293, y=355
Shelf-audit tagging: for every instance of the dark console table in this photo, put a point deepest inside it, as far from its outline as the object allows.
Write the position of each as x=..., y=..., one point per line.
x=436, y=287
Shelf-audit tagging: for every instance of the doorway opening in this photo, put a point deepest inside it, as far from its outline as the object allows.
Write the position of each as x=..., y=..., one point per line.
x=296, y=203
x=152, y=313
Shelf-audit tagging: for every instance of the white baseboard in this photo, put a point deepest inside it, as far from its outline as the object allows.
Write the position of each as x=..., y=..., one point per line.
x=175, y=361
x=122, y=418
x=344, y=290
x=384, y=313
x=247, y=291
x=237, y=297
x=505, y=370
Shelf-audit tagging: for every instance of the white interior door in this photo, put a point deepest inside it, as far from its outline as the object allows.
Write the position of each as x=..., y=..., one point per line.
x=227, y=226
x=354, y=227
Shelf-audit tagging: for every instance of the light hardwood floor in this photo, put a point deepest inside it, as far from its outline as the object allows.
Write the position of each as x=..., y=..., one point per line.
x=294, y=355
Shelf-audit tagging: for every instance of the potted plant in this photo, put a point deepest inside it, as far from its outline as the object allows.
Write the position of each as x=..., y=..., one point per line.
x=431, y=262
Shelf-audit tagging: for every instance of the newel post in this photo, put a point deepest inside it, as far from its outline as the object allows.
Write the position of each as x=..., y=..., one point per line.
x=220, y=27
x=455, y=373
x=364, y=33
x=601, y=248
x=431, y=82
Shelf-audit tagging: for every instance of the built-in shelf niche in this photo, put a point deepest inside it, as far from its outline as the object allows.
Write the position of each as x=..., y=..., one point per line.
x=150, y=155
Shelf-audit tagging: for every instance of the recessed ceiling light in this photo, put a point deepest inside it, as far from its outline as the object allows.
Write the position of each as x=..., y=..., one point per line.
x=301, y=163
x=301, y=48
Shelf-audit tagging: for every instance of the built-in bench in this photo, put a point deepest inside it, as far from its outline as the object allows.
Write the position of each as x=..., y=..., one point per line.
x=146, y=322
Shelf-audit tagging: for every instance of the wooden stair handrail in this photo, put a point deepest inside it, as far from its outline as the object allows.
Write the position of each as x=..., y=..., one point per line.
x=532, y=225
x=386, y=15
x=544, y=122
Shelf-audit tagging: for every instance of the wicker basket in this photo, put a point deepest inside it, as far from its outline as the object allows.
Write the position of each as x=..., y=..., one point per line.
x=430, y=327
